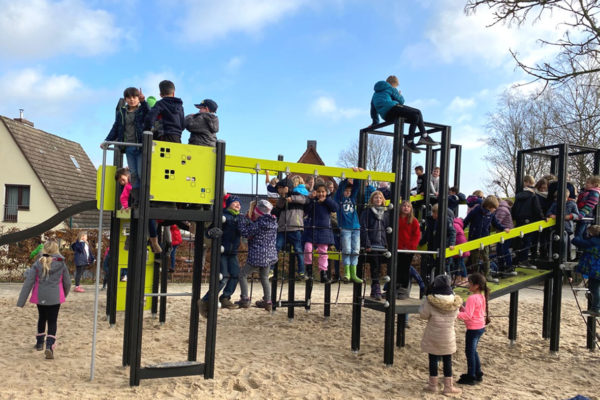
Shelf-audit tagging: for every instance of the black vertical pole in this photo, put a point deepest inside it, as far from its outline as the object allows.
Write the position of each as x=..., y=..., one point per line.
x=443, y=201
x=291, y=282
x=427, y=190
x=215, y=260
x=197, y=269
x=405, y=178
x=457, y=160
x=113, y=260
x=547, y=307
x=131, y=256
x=327, y=300
x=553, y=165
x=512, y=316
x=274, y=283
x=520, y=171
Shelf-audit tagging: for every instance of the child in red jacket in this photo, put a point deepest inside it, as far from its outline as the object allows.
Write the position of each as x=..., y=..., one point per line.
x=409, y=234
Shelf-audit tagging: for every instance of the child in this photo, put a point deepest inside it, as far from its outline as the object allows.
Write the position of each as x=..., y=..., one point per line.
x=440, y=309
x=389, y=104
x=49, y=278
x=435, y=181
x=204, y=125
x=260, y=228
x=409, y=234
x=290, y=207
x=474, y=199
x=458, y=262
x=479, y=221
x=525, y=210
x=319, y=232
x=347, y=218
x=83, y=258
x=571, y=214
x=430, y=237
x=230, y=267
x=299, y=186
x=588, y=198
x=589, y=263
x=166, y=118
x=475, y=314
x=106, y=267
x=271, y=186
x=503, y=256
x=373, y=236
x=129, y=127
x=176, y=240
x=122, y=176
x=455, y=197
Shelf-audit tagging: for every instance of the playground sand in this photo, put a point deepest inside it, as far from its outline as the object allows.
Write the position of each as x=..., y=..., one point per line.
x=263, y=356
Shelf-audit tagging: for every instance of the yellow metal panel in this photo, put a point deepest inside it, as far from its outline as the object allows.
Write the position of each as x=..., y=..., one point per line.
x=123, y=264
x=182, y=173
x=110, y=187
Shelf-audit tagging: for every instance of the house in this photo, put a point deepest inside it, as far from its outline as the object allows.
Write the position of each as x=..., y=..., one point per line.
x=310, y=156
x=42, y=174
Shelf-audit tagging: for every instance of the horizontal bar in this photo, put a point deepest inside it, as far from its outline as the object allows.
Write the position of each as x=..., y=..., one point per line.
x=170, y=370
x=418, y=251
x=124, y=144
x=166, y=294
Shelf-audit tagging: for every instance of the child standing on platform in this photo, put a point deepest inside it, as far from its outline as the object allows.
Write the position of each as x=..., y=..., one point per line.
x=588, y=198
x=374, y=222
x=347, y=218
x=409, y=234
x=319, y=234
x=458, y=267
x=589, y=263
x=83, y=258
x=176, y=240
x=475, y=314
x=49, y=282
x=503, y=254
x=204, y=125
x=260, y=227
x=440, y=309
x=166, y=119
x=290, y=207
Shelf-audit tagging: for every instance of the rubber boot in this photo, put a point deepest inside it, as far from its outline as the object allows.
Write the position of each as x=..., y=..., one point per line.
x=50, y=346
x=432, y=386
x=39, y=344
x=353, y=276
x=449, y=389
x=346, y=276
x=324, y=278
x=156, y=249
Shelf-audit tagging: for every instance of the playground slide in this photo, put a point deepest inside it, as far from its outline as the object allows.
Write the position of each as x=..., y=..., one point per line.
x=87, y=205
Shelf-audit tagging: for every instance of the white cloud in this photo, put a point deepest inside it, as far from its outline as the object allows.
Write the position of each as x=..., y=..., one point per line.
x=234, y=64
x=459, y=104
x=326, y=106
x=207, y=20
x=41, y=28
x=424, y=103
x=470, y=137
x=33, y=84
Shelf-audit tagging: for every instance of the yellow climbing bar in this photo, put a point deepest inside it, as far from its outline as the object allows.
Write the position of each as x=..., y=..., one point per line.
x=497, y=237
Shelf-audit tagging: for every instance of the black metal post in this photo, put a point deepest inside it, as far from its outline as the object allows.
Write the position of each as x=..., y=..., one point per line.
x=327, y=299
x=457, y=161
x=519, y=172
x=291, y=282
x=512, y=316
x=274, y=284
x=443, y=201
x=401, y=327
x=547, y=308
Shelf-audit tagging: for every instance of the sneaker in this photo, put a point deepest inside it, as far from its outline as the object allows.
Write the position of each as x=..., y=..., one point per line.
x=324, y=278
x=267, y=305
x=401, y=293
x=527, y=264
x=491, y=279
x=49, y=354
x=271, y=274
x=203, y=308
x=466, y=380
x=301, y=276
x=78, y=289
x=479, y=376
x=410, y=146
x=243, y=303
x=227, y=303
x=124, y=278
x=426, y=140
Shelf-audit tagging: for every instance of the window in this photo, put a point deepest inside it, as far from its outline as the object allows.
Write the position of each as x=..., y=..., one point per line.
x=75, y=163
x=16, y=198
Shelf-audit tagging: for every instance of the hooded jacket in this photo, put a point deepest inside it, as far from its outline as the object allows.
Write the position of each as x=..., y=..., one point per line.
x=527, y=208
x=385, y=97
x=587, y=201
x=203, y=128
x=168, y=112
x=46, y=290
x=373, y=224
x=231, y=233
x=81, y=257
x=347, y=216
x=117, y=132
x=261, y=235
x=589, y=262
x=291, y=214
x=440, y=311
x=503, y=215
x=318, y=228
x=460, y=235
x=479, y=221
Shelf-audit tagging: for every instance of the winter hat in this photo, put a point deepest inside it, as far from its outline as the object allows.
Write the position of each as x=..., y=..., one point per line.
x=441, y=285
x=208, y=103
x=230, y=199
x=263, y=207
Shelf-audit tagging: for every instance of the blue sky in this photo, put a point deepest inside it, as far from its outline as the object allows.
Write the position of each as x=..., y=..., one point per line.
x=283, y=72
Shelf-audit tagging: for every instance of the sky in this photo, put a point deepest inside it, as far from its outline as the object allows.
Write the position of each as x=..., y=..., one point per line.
x=282, y=72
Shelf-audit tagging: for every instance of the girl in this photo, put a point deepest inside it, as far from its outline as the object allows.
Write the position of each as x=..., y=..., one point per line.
x=373, y=236
x=83, y=258
x=319, y=232
x=409, y=234
x=475, y=315
x=49, y=278
x=440, y=308
x=459, y=268
x=474, y=199
x=589, y=263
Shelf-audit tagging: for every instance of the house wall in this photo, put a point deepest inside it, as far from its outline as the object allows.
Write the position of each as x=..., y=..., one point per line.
x=15, y=170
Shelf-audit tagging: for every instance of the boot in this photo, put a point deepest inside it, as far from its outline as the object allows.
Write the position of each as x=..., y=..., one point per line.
x=432, y=386
x=324, y=278
x=39, y=341
x=156, y=249
x=376, y=291
x=50, y=346
x=346, y=276
x=449, y=388
x=353, y=276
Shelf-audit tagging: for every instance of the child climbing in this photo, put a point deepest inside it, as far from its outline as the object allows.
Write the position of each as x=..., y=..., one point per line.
x=589, y=262
x=440, y=309
x=588, y=198
x=475, y=315
x=457, y=263
x=83, y=258
x=49, y=282
x=409, y=234
x=374, y=222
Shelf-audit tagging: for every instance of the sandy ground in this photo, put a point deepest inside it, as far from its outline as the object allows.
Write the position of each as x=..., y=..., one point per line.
x=266, y=356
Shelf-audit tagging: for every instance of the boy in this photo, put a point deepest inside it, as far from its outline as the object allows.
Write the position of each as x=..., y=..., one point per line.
x=166, y=118
x=230, y=267
x=129, y=127
x=454, y=199
x=479, y=220
x=571, y=214
x=435, y=181
x=430, y=237
x=526, y=209
x=290, y=208
x=588, y=198
x=204, y=125
x=589, y=264
x=260, y=228
x=389, y=103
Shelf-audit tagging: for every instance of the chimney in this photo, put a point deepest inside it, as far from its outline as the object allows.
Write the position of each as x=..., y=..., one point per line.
x=23, y=120
x=311, y=143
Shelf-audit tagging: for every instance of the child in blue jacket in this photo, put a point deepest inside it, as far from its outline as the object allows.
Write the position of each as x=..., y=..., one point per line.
x=166, y=118
x=347, y=218
x=589, y=263
x=83, y=258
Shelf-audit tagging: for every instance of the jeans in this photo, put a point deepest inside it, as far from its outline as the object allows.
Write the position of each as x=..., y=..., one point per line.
x=350, y=239
x=433, y=365
x=594, y=287
x=134, y=161
x=503, y=256
x=295, y=239
x=230, y=270
x=264, y=280
x=106, y=268
x=457, y=266
x=471, y=340
x=173, y=255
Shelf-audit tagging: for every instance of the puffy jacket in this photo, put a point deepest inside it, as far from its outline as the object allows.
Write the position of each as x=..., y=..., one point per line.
x=319, y=217
x=373, y=224
x=291, y=214
x=231, y=233
x=168, y=112
x=117, y=132
x=46, y=290
x=409, y=235
x=589, y=263
x=472, y=201
x=460, y=235
x=571, y=212
x=261, y=235
x=176, y=239
x=479, y=221
x=385, y=97
x=503, y=215
x=587, y=201
x=527, y=208
x=440, y=311
x=454, y=201
x=203, y=128
x=81, y=258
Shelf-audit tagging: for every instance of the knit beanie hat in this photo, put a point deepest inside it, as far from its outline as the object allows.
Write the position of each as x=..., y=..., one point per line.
x=263, y=207
x=441, y=285
x=230, y=199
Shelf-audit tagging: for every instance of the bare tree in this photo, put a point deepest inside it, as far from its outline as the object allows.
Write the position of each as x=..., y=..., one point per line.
x=379, y=154
x=578, y=45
